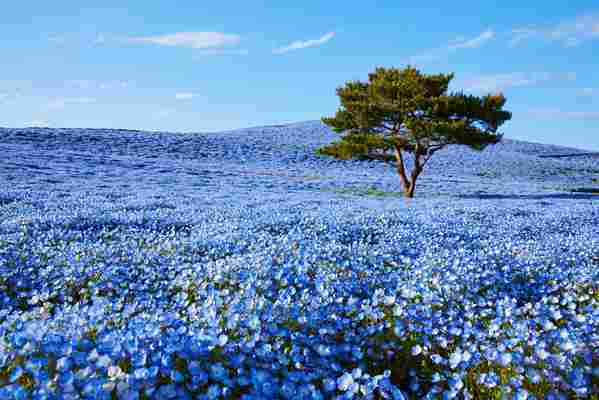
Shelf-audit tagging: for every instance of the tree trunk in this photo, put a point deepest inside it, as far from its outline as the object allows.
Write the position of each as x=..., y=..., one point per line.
x=410, y=191
x=401, y=170
x=415, y=173
x=409, y=184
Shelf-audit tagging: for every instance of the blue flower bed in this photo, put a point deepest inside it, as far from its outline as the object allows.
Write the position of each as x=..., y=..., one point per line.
x=139, y=265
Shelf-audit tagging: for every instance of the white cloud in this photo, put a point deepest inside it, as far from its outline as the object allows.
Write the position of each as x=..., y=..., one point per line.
x=61, y=102
x=557, y=114
x=303, y=44
x=185, y=96
x=457, y=44
x=462, y=43
x=569, y=33
x=521, y=34
x=499, y=82
x=195, y=40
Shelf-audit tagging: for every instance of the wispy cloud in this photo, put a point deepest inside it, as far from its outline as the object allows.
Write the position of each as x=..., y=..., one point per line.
x=61, y=102
x=457, y=44
x=499, y=82
x=473, y=43
x=569, y=33
x=185, y=96
x=82, y=39
x=194, y=40
x=557, y=114
x=303, y=44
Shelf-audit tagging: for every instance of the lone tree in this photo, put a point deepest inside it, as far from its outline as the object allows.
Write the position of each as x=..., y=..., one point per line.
x=406, y=111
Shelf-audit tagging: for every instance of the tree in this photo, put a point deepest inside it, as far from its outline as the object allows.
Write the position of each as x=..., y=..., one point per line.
x=406, y=111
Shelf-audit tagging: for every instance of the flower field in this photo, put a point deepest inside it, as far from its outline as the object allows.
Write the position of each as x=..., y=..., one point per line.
x=138, y=265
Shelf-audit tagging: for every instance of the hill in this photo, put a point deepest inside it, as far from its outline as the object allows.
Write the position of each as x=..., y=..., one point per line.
x=242, y=265
x=279, y=157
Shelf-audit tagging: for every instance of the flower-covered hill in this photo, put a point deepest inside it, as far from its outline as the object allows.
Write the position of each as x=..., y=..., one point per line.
x=242, y=265
x=283, y=156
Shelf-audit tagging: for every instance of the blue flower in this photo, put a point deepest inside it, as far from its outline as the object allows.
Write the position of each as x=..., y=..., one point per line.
x=454, y=359
x=416, y=350
x=267, y=284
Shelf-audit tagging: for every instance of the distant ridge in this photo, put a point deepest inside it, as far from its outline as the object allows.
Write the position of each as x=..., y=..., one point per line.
x=569, y=155
x=542, y=150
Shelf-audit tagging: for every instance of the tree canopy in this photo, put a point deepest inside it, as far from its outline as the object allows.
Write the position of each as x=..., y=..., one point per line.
x=406, y=111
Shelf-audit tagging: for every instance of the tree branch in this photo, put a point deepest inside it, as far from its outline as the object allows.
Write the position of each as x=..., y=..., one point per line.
x=430, y=151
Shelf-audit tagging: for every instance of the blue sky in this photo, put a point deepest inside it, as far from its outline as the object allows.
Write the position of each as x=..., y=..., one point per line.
x=209, y=66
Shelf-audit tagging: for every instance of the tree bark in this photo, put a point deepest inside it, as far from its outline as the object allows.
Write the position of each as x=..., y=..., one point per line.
x=416, y=171
x=401, y=170
x=409, y=184
x=410, y=191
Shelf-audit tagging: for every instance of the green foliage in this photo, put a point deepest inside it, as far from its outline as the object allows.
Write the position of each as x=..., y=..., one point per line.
x=360, y=146
x=406, y=108
x=125, y=365
x=312, y=178
x=407, y=111
x=372, y=192
x=345, y=151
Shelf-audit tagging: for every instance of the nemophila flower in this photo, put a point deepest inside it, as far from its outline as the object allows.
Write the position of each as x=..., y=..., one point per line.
x=285, y=286
x=521, y=394
x=436, y=377
x=436, y=358
x=454, y=359
x=578, y=379
x=416, y=350
x=491, y=354
x=167, y=391
x=542, y=353
x=15, y=374
x=329, y=385
x=397, y=394
x=450, y=394
x=103, y=361
x=533, y=376
x=114, y=372
x=505, y=359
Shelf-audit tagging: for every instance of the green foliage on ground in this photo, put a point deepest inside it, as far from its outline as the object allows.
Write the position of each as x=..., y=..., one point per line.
x=372, y=192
